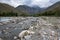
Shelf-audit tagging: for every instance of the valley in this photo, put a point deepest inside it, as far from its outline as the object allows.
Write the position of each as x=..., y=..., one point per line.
x=29, y=20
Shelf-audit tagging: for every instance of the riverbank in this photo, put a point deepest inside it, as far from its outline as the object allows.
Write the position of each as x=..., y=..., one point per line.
x=44, y=28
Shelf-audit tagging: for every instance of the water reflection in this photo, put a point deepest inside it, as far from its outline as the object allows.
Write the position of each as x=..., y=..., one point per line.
x=4, y=19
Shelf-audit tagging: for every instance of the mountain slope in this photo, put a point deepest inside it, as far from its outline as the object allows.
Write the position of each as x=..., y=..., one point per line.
x=53, y=10
x=55, y=6
x=6, y=8
x=27, y=9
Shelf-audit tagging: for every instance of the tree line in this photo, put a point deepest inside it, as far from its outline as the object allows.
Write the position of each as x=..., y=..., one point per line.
x=46, y=13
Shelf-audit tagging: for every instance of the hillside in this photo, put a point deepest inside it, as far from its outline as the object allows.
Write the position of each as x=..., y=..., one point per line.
x=55, y=6
x=7, y=10
x=5, y=7
x=53, y=10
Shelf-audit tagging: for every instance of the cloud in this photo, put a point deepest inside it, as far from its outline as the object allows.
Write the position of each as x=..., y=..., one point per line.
x=41, y=3
x=14, y=3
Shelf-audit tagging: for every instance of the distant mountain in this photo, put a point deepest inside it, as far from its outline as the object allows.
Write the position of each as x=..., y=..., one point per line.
x=28, y=9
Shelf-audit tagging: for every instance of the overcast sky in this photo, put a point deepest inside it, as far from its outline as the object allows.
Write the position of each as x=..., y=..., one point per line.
x=41, y=3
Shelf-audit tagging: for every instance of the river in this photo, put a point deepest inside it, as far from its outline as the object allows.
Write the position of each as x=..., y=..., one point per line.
x=4, y=19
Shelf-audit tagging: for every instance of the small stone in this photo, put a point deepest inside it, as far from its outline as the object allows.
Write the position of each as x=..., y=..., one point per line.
x=1, y=24
x=59, y=38
x=28, y=37
x=0, y=38
x=15, y=37
x=7, y=28
x=4, y=30
x=44, y=32
x=0, y=32
x=15, y=28
x=4, y=23
x=18, y=39
x=53, y=33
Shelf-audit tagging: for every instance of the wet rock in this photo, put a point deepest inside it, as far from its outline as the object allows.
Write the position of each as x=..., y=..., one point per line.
x=1, y=24
x=15, y=37
x=1, y=39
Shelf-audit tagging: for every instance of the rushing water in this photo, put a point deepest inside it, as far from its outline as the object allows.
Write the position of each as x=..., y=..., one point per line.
x=4, y=19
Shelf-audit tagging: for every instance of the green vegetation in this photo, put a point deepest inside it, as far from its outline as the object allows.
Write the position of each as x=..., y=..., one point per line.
x=47, y=13
x=8, y=14
x=13, y=14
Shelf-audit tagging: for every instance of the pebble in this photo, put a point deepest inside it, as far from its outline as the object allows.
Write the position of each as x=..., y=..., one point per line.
x=1, y=24
x=7, y=28
x=28, y=37
x=1, y=39
x=15, y=37
x=53, y=33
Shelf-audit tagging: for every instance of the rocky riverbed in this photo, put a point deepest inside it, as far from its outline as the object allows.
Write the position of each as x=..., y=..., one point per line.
x=43, y=28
